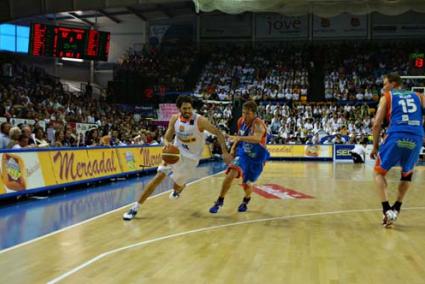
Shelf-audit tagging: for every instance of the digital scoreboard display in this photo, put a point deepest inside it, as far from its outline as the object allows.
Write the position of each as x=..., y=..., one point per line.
x=55, y=41
x=417, y=60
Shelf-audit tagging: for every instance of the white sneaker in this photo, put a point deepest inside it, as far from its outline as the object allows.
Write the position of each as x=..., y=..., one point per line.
x=389, y=218
x=392, y=215
x=174, y=195
x=128, y=216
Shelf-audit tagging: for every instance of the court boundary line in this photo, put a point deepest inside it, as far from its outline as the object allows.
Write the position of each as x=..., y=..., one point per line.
x=98, y=216
x=204, y=229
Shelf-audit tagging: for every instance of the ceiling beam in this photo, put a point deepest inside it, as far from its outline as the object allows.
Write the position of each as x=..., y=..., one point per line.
x=137, y=13
x=109, y=16
x=75, y=16
x=129, y=10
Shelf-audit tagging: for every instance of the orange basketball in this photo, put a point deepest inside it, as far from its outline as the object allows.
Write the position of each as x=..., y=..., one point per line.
x=170, y=154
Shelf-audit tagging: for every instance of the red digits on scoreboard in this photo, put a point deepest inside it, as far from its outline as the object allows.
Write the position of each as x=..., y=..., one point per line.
x=419, y=62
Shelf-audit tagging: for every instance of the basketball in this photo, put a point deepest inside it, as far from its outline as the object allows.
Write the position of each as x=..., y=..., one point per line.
x=170, y=154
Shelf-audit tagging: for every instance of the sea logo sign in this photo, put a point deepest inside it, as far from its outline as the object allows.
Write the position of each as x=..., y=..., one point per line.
x=343, y=152
x=275, y=191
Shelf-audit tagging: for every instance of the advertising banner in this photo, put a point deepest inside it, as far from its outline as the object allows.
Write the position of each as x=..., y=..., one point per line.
x=2, y=188
x=343, y=153
x=206, y=154
x=47, y=168
x=226, y=26
x=20, y=171
x=72, y=166
x=275, y=26
x=344, y=25
x=104, y=162
x=300, y=151
x=410, y=24
x=129, y=159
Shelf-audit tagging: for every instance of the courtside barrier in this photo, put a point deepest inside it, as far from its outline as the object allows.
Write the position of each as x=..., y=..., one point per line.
x=301, y=152
x=27, y=171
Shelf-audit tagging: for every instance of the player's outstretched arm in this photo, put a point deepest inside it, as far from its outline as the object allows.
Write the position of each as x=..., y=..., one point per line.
x=169, y=134
x=259, y=131
x=204, y=124
x=377, y=126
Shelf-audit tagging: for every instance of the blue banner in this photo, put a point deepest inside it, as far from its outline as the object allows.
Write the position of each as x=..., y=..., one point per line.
x=343, y=152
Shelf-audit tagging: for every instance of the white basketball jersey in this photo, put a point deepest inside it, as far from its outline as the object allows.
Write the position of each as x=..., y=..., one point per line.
x=189, y=139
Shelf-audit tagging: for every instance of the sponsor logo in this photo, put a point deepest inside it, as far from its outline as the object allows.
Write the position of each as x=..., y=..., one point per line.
x=343, y=152
x=69, y=168
x=275, y=191
x=150, y=160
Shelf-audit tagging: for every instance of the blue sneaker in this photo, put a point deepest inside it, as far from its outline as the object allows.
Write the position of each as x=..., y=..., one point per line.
x=216, y=206
x=244, y=205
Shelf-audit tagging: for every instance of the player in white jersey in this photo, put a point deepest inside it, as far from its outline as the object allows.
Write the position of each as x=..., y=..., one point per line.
x=189, y=138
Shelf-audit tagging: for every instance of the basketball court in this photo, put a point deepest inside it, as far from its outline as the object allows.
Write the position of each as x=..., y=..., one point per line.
x=312, y=222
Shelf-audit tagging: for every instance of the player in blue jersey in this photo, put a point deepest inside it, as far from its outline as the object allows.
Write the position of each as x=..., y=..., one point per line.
x=249, y=150
x=403, y=112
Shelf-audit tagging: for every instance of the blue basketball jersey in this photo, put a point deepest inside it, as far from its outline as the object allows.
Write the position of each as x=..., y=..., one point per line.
x=256, y=152
x=404, y=112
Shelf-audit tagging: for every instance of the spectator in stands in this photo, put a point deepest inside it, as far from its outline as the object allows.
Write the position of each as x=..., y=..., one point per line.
x=14, y=134
x=23, y=142
x=39, y=138
x=4, y=135
x=59, y=138
x=92, y=137
x=27, y=130
x=69, y=139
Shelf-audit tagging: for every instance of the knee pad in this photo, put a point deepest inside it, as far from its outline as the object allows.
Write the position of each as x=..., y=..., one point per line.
x=406, y=177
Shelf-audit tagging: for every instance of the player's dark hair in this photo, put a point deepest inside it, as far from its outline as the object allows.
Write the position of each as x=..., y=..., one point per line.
x=250, y=105
x=183, y=99
x=394, y=77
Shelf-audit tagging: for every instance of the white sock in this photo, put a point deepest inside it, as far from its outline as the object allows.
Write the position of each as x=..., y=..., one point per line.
x=136, y=206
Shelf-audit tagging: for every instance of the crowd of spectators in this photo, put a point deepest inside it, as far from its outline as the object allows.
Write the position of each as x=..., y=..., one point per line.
x=263, y=73
x=28, y=92
x=355, y=72
x=275, y=76
x=163, y=70
x=311, y=123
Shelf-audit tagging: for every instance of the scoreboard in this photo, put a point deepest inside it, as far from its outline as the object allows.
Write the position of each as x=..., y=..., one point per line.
x=417, y=62
x=55, y=41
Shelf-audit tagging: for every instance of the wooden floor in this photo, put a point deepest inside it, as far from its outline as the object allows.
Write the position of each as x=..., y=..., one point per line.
x=334, y=238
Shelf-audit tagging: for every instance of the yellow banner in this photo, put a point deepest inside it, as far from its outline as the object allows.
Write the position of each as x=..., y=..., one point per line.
x=77, y=165
x=47, y=168
x=150, y=157
x=2, y=189
x=27, y=170
x=206, y=153
x=300, y=151
x=68, y=166
x=104, y=162
x=129, y=159
x=20, y=171
x=138, y=158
